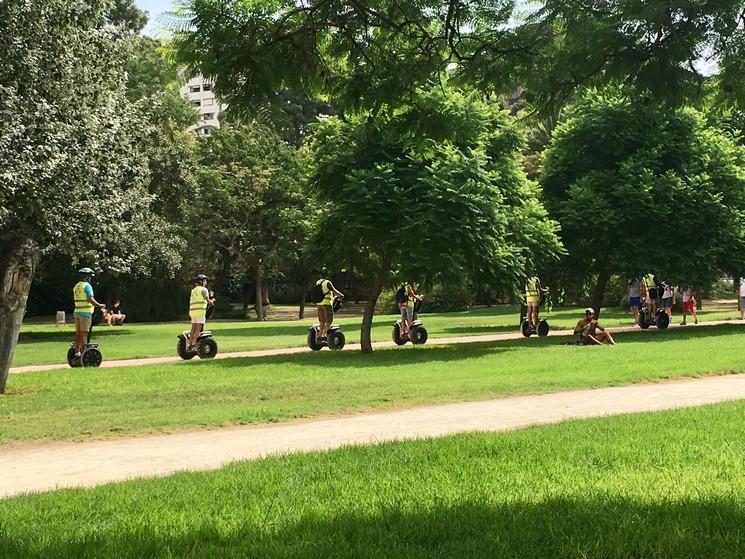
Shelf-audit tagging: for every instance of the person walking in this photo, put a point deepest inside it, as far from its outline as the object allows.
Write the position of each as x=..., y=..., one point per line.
x=199, y=299
x=634, y=293
x=326, y=306
x=85, y=302
x=688, y=305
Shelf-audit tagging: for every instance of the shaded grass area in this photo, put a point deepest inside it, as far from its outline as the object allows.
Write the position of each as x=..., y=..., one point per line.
x=42, y=344
x=90, y=403
x=668, y=484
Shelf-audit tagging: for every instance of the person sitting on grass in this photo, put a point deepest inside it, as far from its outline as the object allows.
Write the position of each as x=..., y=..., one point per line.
x=590, y=332
x=115, y=316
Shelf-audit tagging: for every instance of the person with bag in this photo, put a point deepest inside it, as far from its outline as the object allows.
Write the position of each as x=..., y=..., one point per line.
x=406, y=299
x=324, y=293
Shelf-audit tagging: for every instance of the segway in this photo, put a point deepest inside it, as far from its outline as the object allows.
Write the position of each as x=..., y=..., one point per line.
x=90, y=356
x=334, y=339
x=660, y=319
x=526, y=327
x=206, y=346
x=418, y=334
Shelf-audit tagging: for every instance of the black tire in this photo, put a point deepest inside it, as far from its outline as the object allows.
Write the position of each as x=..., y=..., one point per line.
x=419, y=335
x=523, y=314
x=396, y=335
x=643, y=320
x=543, y=328
x=662, y=320
x=526, y=329
x=207, y=348
x=71, y=358
x=181, y=350
x=91, y=357
x=336, y=340
x=312, y=344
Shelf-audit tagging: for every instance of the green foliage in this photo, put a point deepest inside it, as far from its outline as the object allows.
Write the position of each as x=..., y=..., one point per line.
x=433, y=192
x=148, y=69
x=639, y=190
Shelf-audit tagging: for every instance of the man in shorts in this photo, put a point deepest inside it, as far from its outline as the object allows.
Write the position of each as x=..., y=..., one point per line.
x=199, y=299
x=634, y=294
x=326, y=306
x=533, y=299
x=590, y=332
x=84, y=304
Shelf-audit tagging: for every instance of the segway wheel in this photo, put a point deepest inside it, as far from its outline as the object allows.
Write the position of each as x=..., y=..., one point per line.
x=397, y=339
x=184, y=353
x=207, y=348
x=91, y=357
x=336, y=340
x=543, y=328
x=419, y=335
x=643, y=320
x=312, y=343
x=71, y=358
x=662, y=320
x=526, y=329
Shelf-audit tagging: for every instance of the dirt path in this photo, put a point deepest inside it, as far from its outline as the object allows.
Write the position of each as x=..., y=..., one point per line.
x=39, y=468
x=350, y=347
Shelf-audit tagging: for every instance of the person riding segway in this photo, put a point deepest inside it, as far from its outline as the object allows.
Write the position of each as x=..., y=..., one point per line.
x=325, y=333
x=536, y=296
x=198, y=341
x=650, y=313
x=409, y=327
x=82, y=352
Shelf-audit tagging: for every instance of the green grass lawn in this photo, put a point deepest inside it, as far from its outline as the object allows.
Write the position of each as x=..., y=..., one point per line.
x=662, y=485
x=44, y=343
x=87, y=403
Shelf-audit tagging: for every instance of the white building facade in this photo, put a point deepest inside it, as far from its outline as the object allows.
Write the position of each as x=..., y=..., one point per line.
x=199, y=92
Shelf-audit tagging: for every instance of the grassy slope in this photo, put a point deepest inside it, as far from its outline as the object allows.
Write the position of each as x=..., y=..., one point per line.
x=106, y=402
x=649, y=486
x=43, y=343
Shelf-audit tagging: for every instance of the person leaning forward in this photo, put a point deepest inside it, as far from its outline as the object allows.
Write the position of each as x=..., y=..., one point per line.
x=326, y=306
x=84, y=304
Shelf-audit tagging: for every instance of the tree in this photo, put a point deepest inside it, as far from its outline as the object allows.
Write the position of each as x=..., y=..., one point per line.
x=73, y=178
x=148, y=69
x=430, y=192
x=638, y=190
x=366, y=53
x=248, y=201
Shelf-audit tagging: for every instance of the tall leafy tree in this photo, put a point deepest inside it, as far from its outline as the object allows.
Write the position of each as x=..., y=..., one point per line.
x=430, y=192
x=73, y=179
x=639, y=190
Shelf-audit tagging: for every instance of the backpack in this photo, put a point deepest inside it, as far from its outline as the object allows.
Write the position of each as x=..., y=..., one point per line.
x=316, y=294
x=401, y=296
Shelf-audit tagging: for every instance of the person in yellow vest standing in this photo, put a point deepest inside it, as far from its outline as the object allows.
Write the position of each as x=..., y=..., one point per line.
x=326, y=306
x=533, y=299
x=198, y=301
x=84, y=305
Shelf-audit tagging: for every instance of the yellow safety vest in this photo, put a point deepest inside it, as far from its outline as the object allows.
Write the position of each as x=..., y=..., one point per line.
x=82, y=305
x=328, y=295
x=197, y=303
x=531, y=291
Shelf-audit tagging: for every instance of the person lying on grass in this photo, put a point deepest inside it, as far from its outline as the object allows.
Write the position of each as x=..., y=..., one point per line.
x=590, y=332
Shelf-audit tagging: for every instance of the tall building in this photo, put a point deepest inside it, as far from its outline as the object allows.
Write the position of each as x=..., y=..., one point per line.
x=199, y=92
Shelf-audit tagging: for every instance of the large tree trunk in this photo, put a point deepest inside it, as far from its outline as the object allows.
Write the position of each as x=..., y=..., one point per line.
x=260, y=312
x=372, y=300
x=18, y=261
x=599, y=291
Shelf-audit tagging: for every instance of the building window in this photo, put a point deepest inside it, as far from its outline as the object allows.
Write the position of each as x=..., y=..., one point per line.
x=194, y=89
x=207, y=87
x=208, y=102
x=208, y=116
x=196, y=103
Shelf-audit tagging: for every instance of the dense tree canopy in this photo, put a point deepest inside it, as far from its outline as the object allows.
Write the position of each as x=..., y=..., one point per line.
x=430, y=191
x=637, y=190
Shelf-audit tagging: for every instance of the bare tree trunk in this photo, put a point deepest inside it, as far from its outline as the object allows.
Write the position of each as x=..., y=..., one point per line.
x=260, y=312
x=372, y=300
x=301, y=311
x=599, y=291
x=18, y=261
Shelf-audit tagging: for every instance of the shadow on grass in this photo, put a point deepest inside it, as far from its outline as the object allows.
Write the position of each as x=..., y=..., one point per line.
x=553, y=528
x=67, y=335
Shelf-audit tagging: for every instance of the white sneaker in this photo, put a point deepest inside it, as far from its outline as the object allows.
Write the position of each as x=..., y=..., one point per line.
x=77, y=354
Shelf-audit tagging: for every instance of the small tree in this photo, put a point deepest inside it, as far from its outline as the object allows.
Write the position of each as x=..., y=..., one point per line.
x=639, y=189
x=434, y=191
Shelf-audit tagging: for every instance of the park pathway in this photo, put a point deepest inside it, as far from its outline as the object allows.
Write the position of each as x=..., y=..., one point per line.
x=352, y=347
x=32, y=467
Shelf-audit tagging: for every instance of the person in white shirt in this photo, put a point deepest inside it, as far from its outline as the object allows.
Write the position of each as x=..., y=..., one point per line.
x=688, y=305
x=741, y=299
x=668, y=296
